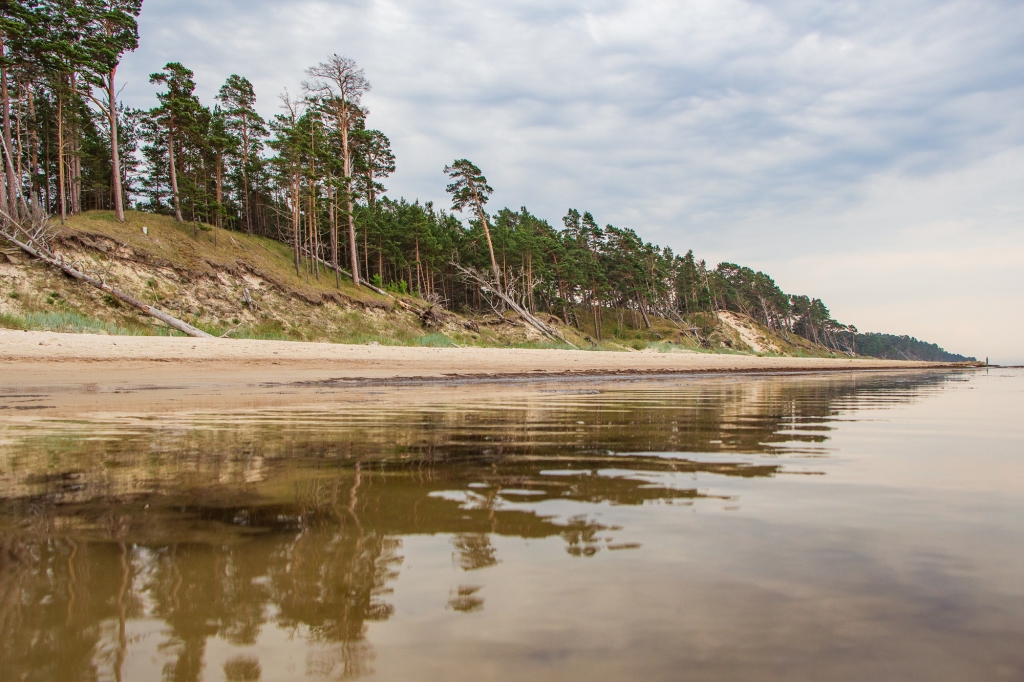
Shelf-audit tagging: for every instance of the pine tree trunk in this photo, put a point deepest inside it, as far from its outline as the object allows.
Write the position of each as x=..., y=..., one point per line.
x=296, y=227
x=19, y=135
x=487, y=233
x=12, y=179
x=34, y=158
x=245, y=189
x=115, y=155
x=347, y=160
x=334, y=230
x=75, y=159
x=220, y=188
x=61, y=187
x=174, y=172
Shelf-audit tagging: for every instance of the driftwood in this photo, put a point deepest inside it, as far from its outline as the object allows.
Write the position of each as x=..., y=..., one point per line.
x=247, y=300
x=33, y=243
x=485, y=285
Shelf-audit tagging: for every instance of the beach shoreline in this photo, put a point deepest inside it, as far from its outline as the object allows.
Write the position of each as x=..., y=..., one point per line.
x=48, y=358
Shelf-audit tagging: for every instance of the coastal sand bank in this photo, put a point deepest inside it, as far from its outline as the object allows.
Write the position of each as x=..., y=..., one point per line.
x=84, y=371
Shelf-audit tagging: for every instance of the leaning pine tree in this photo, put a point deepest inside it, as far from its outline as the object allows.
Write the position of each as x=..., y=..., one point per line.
x=470, y=188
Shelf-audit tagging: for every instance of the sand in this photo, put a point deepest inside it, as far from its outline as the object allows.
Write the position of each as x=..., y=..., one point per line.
x=71, y=363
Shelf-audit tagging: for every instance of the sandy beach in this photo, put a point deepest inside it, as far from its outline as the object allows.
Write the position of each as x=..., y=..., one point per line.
x=67, y=364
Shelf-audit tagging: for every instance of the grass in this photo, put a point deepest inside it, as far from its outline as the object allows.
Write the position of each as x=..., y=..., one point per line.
x=210, y=250
x=536, y=345
x=67, y=322
x=435, y=341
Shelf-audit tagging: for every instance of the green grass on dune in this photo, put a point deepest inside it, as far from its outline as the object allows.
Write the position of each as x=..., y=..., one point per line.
x=67, y=322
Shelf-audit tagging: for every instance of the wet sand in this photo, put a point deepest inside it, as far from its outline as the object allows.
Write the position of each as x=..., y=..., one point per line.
x=82, y=367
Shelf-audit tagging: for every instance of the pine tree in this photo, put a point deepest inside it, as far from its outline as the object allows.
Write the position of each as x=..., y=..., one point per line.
x=249, y=128
x=470, y=189
x=111, y=30
x=341, y=84
x=177, y=111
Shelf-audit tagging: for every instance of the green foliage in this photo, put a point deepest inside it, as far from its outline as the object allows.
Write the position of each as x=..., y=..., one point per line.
x=436, y=341
x=904, y=348
x=469, y=188
x=67, y=322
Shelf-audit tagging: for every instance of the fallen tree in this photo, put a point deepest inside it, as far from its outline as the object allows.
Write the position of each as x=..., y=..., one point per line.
x=33, y=241
x=489, y=288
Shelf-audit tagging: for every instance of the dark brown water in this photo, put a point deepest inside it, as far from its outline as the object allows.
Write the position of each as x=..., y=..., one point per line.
x=743, y=528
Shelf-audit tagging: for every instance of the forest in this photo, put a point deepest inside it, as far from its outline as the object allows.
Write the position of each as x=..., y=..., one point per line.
x=313, y=177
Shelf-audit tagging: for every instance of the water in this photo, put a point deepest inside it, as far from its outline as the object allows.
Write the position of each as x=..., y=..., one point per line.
x=757, y=528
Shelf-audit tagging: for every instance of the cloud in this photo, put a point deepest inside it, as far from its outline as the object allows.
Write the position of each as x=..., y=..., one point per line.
x=754, y=131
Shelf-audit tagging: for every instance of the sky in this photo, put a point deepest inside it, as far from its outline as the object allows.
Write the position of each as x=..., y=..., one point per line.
x=870, y=154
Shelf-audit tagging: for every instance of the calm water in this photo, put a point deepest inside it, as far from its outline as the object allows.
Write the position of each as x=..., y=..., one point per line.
x=742, y=528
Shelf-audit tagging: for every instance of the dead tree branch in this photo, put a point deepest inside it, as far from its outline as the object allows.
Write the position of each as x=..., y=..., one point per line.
x=488, y=287
x=34, y=240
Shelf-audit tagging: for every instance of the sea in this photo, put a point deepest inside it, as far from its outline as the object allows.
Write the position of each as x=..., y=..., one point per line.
x=820, y=526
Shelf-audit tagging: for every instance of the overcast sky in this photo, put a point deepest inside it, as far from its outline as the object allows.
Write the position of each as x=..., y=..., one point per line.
x=867, y=153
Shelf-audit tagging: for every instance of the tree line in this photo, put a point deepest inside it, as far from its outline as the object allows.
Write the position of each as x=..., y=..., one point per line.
x=312, y=177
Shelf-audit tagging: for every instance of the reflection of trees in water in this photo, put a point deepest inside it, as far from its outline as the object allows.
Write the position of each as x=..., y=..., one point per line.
x=474, y=551
x=243, y=669
x=219, y=530
x=581, y=536
x=771, y=415
x=319, y=561
x=62, y=616
x=464, y=599
x=63, y=605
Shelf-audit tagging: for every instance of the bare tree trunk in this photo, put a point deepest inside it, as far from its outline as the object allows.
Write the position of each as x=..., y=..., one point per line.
x=487, y=233
x=18, y=134
x=75, y=159
x=347, y=159
x=245, y=172
x=296, y=226
x=34, y=158
x=419, y=273
x=12, y=179
x=174, y=172
x=366, y=251
x=115, y=154
x=46, y=165
x=61, y=188
x=334, y=230
x=550, y=332
x=644, y=313
x=220, y=188
x=245, y=190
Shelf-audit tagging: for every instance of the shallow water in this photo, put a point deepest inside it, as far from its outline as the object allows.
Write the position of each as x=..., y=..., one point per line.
x=758, y=528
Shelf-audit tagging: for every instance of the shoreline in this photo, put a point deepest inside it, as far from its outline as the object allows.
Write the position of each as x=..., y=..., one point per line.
x=48, y=375
x=51, y=361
